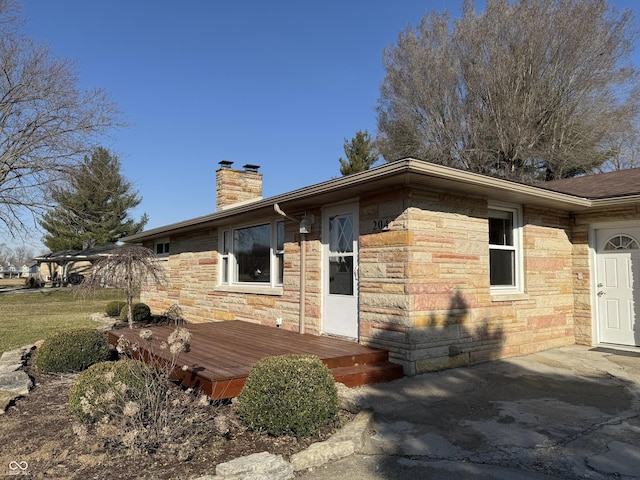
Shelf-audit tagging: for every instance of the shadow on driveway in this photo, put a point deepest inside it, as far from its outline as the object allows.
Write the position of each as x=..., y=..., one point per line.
x=567, y=413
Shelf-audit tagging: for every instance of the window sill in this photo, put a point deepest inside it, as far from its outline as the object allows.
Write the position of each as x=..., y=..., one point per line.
x=509, y=297
x=249, y=289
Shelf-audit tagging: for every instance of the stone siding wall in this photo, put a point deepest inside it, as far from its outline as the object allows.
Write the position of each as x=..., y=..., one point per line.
x=584, y=313
x=424, y=281
x=193, y=284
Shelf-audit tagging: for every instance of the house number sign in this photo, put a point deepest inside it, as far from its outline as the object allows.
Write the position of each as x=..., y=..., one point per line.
x=380, y=224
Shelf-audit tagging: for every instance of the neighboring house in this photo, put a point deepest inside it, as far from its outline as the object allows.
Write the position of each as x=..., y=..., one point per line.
x=70, y=266
x=11, y=271
x=439, y=266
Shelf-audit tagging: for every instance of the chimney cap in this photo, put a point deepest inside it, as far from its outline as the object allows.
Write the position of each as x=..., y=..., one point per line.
x=225, y=163
x=249, y=167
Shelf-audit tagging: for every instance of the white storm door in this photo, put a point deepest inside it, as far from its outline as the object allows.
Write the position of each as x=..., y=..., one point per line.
x=618, y=277
x=340, y=268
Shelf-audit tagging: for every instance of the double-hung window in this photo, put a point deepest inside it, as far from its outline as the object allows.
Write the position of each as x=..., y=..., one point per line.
x=505, y=249
x=161, y=247
x=252, y=255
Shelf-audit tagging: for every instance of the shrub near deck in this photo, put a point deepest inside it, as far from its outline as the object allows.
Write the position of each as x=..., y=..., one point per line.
x=289, y=394
x=71, y=351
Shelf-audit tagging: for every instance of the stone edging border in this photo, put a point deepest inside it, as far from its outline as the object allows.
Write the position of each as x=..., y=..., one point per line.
x=347, y=441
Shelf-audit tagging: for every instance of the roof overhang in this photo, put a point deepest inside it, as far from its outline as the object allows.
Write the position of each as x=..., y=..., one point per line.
x=406, y=172
x=87, y=255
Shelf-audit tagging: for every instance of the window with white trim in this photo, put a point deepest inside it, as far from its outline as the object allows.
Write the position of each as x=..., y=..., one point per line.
x=505, y=249
x=252, y=255
x=161, y=247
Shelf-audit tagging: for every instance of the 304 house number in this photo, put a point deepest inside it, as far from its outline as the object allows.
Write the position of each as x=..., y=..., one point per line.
x=380, y=224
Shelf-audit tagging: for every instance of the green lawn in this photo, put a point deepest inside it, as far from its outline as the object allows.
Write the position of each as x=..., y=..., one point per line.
x=28, y=316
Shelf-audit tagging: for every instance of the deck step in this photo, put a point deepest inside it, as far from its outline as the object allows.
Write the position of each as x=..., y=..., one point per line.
x=357, y=375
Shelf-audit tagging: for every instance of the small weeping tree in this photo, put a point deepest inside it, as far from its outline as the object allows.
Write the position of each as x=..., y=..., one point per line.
x=129, y=267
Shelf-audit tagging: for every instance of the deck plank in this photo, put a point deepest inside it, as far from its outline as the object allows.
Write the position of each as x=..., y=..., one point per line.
x=222, y=354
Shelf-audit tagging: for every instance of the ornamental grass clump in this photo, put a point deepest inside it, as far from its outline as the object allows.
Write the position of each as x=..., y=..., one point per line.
x=71, y=351
x=289, y=395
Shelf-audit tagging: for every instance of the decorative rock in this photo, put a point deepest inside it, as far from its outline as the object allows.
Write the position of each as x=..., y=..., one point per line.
x=357, y=431
x=9, y=367
x=5, y=400
x=14, y=382
x=15, y=357
x=343, y=443
x=17, y=382
x=321, y=453
x=350, y=399
x=259, y=466
x=106, y=322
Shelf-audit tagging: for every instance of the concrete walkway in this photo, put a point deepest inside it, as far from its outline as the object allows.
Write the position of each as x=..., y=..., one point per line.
x=568, y=413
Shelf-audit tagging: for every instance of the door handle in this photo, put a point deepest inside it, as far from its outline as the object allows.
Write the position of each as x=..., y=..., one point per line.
x=601, y=293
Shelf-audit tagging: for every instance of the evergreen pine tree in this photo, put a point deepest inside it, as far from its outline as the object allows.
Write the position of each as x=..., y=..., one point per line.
x=92, y=209
x=360, y=152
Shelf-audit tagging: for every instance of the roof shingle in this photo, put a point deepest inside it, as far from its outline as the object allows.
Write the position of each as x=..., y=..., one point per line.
x=603, y=185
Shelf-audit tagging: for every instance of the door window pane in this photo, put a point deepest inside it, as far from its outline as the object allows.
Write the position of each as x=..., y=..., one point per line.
x=341, y=234
x=341, y=275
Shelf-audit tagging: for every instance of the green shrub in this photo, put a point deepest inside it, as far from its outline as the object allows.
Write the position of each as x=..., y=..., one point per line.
x=114, y=308
x=109, y=391
x=289, y=394
x=141, y=312
x=71, y=351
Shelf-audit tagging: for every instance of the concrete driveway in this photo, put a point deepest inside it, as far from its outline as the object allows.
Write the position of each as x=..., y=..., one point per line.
x=568, y=413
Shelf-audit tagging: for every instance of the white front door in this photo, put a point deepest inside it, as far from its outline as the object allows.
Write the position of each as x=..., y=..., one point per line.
x=617, y=283
x=340, y=268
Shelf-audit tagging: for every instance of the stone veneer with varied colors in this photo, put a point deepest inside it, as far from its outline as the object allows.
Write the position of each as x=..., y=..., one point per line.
x=424, y=282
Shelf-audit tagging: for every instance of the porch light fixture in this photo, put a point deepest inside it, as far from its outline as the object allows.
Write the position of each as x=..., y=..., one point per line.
x=305, y=227
x=305, y=224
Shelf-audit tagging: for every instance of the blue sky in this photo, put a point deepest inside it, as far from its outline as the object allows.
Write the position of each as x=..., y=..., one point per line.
x=280, y=84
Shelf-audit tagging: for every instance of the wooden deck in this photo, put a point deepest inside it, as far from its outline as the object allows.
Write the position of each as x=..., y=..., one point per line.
x=222, y=354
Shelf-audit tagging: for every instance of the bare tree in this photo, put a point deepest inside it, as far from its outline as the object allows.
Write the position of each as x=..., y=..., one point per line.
x=527, y=90
x=129, y=267
x=18, y=255
x=46, y=122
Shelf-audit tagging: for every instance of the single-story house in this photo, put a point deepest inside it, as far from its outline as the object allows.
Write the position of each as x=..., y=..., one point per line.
x=70, y=266
x=439, y=266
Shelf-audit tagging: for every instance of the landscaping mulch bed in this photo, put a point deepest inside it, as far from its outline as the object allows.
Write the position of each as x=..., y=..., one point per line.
x=37, y=438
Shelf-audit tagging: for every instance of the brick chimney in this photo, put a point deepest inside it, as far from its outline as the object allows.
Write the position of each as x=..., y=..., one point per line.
x=234, y=187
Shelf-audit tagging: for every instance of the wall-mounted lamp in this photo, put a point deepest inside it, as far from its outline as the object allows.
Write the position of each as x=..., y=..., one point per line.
x=305, y=223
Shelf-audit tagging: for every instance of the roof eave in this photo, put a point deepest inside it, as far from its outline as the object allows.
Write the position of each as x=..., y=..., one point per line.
x=402, y=172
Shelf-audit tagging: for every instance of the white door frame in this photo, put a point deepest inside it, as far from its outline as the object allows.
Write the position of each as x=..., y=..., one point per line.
x=593, y=264
x=342, y=310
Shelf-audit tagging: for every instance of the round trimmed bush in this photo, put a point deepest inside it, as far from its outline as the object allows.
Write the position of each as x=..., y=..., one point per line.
x=108, y=390
x=289, y=394
x=71, y=351
x=114, y=308
x=141, y=312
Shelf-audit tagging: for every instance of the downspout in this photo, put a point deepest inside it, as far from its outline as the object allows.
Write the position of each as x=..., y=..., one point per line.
x=303, y=279
x=303, y=267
